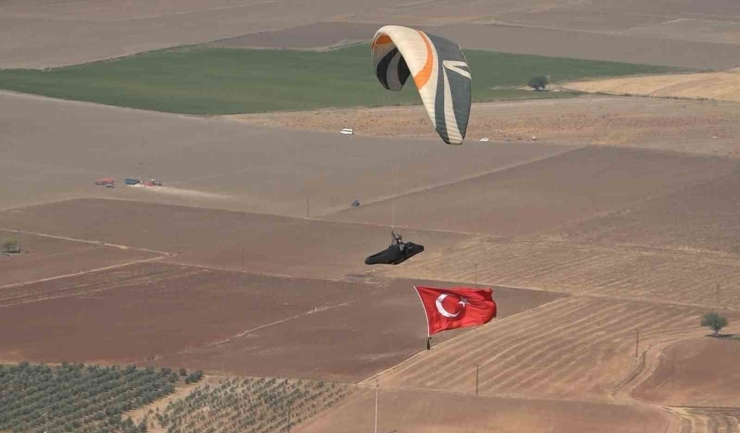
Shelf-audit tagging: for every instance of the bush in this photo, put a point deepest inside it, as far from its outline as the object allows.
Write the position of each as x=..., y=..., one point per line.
x=10, y=246
x=183, y=372
x=539, y=82
x=715, y=321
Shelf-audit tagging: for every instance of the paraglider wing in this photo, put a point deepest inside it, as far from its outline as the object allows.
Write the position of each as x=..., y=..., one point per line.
x=440, y=72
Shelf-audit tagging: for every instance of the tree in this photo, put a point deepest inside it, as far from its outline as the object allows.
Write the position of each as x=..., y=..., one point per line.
x=11, y=246
x=715, y=321
x=539, y=82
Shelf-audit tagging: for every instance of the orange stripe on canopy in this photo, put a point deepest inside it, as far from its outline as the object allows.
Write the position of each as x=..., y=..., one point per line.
x=423, y=76
x=381, y=40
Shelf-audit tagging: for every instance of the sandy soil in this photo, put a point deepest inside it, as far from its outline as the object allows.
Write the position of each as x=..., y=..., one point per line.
x=419, y=411
x=720, y=86
x=697, y=372
x=704, y=127
x=214, y=320
x=575, y=348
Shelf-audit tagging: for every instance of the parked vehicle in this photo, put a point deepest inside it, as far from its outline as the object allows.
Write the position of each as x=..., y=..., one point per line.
x=105, y=181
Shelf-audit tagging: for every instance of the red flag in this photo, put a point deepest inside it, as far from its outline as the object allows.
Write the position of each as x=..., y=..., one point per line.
x=457, y=307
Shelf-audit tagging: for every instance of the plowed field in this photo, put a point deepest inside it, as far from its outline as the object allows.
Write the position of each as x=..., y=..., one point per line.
x=575, y=348
x=215, y=320
x=43, y=257
x=685, y=277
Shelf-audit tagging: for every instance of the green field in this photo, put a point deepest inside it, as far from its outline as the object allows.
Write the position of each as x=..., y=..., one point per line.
x=200, y=80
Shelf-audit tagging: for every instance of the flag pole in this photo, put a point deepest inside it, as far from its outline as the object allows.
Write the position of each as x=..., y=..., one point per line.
x=376, y=406
x=429, y=337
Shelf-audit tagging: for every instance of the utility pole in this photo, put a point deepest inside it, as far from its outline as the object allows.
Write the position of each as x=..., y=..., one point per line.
x=307, y=205
x=475, y=280
x=637, y=342
x=376, y=406
x=242, y=258
x=476, y=378
x=716, y=295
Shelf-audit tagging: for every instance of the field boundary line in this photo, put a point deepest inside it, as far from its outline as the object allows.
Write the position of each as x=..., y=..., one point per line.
x=88, y=241
x=316, y=310
x=91, y=271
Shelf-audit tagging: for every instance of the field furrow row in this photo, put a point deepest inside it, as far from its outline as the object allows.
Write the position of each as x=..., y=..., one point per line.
x=692, y=278
x=572, y=348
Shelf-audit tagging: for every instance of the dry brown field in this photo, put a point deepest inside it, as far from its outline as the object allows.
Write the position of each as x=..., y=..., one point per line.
x=418, y=411
x=700, y=217
x=543, y=195
x=676, y=34
x=698, y=127
x=626, y=204
x=220, y=239
x=45, y=257
x=574, y=349
x=653, y=274
x=316, y=36
x=218, y=164
x=235, y=322
x=692, y=373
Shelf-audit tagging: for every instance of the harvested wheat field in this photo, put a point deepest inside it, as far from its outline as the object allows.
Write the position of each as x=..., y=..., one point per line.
x=677, y=276
x=707, y=419
x=697, y=127
x=417, y=411
x=574, y=349
x=719, y=86
x=44, y=257
x=694, y=372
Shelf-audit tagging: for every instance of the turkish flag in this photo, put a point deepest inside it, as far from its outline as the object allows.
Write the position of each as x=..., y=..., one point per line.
x=456, y=307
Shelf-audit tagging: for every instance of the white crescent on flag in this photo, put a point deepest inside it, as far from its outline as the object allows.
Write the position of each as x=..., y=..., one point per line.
x=444, y=312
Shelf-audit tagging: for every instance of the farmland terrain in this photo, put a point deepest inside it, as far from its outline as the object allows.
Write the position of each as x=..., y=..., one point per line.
x=673, y=34
x=605, y=225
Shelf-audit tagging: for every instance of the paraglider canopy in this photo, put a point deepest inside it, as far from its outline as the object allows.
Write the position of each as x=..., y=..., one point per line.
x=440, y=72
